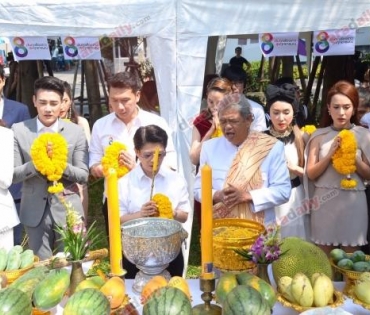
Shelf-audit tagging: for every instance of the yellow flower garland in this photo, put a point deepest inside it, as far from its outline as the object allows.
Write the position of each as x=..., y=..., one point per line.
x=344, y=158
x=164, y=206
x=52, y=167
x=309, y=129
x=217, y=133
x=110, y=159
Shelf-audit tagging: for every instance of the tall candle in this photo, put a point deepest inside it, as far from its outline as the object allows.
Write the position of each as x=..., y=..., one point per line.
x=155, y=160
x=207, y=223
x=115, y=243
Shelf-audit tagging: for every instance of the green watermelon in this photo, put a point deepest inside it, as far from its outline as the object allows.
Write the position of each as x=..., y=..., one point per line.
x=168, y=301
x=14, y=302
x=245, y=300
x=87, y=302
x=50, y=291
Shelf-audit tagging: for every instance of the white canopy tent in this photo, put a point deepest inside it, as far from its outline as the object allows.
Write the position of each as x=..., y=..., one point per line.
x=177, y=33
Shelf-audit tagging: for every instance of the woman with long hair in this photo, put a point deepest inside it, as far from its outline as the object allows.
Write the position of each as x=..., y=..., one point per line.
x=283, y=106
x=338, y=156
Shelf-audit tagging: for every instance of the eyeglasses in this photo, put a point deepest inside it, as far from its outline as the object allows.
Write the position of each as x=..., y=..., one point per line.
x=150, y=155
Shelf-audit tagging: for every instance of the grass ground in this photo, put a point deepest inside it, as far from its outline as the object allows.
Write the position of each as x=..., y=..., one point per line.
x=95, y=205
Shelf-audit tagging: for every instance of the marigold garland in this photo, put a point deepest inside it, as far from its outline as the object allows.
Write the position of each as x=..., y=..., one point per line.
x=52, y=167
x=110, y=159
x=164, y=206
x=309, y=129
x=344, y=158
x=217, y=133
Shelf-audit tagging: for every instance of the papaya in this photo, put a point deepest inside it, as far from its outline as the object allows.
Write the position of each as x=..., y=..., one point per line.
x=28, y=281
x=93, y=283
x=153, y=284
x=50, y=291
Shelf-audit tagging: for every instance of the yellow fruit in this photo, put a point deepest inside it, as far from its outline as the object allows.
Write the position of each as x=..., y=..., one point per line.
x=154, y=284
x=323, y=290
x=362, y=290
x=115, y=290
x=180, y=283
x=285, y=288
x=302, y=290
x=300, y=256
x=85, y=284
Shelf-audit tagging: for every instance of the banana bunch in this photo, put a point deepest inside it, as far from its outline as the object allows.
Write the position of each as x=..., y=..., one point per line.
x=301, y=290
x=362, y=288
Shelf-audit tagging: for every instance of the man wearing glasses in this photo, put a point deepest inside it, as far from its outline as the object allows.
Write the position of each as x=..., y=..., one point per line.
x=121, y=124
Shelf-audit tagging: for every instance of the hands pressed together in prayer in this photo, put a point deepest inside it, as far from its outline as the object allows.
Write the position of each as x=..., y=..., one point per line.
x=232, y=196
x=149, y=209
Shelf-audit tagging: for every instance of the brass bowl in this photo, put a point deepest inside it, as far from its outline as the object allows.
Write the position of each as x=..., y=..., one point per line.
x=338, y=301
x=15, y=274
x=224, y=242
x=350, y=276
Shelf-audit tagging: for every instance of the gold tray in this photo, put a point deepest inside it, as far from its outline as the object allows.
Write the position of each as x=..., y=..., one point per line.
x=338, y=301
x=224, y=255
x=15, y=274
x=350, y=276
x=351, y=294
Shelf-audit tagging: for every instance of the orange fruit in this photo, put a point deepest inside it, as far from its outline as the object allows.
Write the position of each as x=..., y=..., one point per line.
x=153, y=284
x=180, y=283
x=115, y=290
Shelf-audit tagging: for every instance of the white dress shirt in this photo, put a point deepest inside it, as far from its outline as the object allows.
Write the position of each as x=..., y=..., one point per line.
x=41, y=128
x=110, y=128
x=219, y=153
x=134, y=190
x=259, y=121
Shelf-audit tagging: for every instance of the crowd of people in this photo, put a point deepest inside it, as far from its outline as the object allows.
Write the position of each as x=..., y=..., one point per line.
x=270, y=171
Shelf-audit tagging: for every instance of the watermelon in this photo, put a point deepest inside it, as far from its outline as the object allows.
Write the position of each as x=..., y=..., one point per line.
x=14, y=302
x=168, y=301
x=50, y=291
x=245, y=300
x=265, y=289
x=87, y=302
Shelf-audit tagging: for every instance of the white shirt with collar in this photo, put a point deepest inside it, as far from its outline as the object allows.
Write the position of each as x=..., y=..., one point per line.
x=134, y=189
x=110, y=128
x=41, y=128
x=219, y=153
x=259, y=121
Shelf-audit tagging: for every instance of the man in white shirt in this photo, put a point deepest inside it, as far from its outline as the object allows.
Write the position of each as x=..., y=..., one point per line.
x=238, y=78
x=250, y=177
x=121, y=124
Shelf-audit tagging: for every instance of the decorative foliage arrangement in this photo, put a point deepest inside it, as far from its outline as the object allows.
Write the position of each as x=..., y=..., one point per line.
x=344, y=158
x=50, y=163
x=266, y=248
x=77, y=240
x=110, y=159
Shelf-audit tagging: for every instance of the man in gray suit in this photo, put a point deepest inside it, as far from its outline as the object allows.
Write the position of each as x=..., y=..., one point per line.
x=12, y=112
x=41, y=211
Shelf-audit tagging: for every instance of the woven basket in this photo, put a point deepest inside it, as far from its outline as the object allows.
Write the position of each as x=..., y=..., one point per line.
x=351, y=294
x=224, y=256
x=338, y=301
x=350, y=276
x=15, y=274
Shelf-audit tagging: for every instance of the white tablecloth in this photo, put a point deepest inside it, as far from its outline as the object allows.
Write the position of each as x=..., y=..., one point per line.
x=278, y=309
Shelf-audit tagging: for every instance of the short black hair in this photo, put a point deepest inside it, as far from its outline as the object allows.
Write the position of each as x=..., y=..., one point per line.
x=150, y=134
x=49, y=83
x=238, y=48
x=234, y=74
x=125, y=80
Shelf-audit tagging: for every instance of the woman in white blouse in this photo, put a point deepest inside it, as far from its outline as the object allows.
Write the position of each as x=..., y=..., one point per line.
x=134, y=188
x=9, y=217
